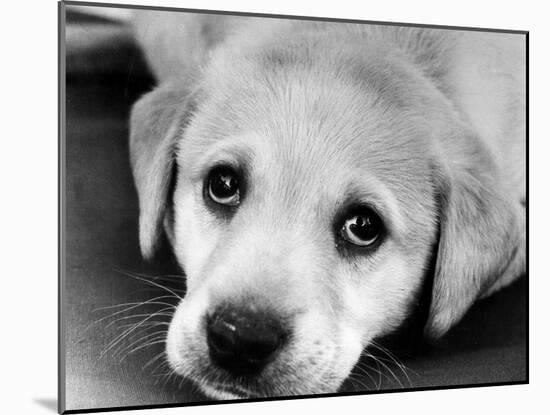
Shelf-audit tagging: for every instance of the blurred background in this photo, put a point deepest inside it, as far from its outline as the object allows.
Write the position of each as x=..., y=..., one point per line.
x=116, y=306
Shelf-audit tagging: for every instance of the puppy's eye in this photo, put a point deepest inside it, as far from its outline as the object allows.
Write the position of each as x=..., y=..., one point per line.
x=363, y=227
x=223, y=186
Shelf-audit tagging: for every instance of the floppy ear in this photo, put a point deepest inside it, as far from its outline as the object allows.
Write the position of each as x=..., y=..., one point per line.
x=157, y=122
x=158, y=118
x=482, y=239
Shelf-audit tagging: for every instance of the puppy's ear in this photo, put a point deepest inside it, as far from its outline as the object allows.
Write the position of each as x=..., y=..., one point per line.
x=482, y=237
x=157, y=122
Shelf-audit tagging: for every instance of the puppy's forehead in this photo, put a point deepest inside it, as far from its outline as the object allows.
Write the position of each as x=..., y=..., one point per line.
x=317, y=133
x=313, y=129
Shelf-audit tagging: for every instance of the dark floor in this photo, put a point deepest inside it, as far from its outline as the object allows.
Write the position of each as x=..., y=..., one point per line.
x=102, y=249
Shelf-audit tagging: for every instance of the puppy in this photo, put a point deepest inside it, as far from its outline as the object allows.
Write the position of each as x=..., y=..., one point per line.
x=304, y=172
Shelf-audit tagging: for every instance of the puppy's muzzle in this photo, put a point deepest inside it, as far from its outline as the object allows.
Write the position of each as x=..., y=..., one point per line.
x=243, y=340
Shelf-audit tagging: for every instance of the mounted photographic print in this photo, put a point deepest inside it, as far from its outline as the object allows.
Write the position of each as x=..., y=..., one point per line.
x=270, y=207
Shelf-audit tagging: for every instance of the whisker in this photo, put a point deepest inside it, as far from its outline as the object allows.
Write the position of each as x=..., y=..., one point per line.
x=135, y=303
x=133, y=306
x=364, y=369
x=152, y=342
x=156, y=358
x=397, y=362
x=148, y=281
x=136, y=316
x=367, y=368
x=389, y=370
x=378, y=370
x=147, y=324
x=357, y=379
x=155, y=335
x=127, y=332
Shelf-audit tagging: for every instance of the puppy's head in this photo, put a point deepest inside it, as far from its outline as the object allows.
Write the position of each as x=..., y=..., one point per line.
x=308, y=196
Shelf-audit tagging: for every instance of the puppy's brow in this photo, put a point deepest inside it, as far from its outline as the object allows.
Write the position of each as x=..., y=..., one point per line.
x=238, y=157
x=375, y=194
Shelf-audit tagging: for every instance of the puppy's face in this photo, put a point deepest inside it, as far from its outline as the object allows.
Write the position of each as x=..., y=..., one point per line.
x=304, y=218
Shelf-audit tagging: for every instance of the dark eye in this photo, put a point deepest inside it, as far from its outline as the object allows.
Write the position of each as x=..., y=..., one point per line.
x=223, y=186
x=362, y=227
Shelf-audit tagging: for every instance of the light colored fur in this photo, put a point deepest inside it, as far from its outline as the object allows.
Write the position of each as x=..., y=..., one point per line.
x=426, y=125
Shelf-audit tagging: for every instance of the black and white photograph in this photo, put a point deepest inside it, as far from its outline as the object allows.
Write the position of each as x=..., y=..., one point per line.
x=258, y=207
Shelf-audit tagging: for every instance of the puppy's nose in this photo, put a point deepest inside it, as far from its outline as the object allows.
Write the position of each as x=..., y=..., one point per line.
x=243, y=341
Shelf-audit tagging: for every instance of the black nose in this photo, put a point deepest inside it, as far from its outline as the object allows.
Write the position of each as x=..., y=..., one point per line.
x=243, y=341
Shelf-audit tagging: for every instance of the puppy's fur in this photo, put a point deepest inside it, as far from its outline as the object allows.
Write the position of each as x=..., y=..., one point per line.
x=425, y=125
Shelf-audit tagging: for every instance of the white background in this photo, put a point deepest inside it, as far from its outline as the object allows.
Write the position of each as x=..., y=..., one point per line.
x=28, y=203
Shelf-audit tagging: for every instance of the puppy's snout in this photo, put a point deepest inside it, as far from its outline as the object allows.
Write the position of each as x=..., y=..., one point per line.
x=243, y=341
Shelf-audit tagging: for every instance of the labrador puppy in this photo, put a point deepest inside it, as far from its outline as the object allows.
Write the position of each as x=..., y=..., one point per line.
x=306, y=175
